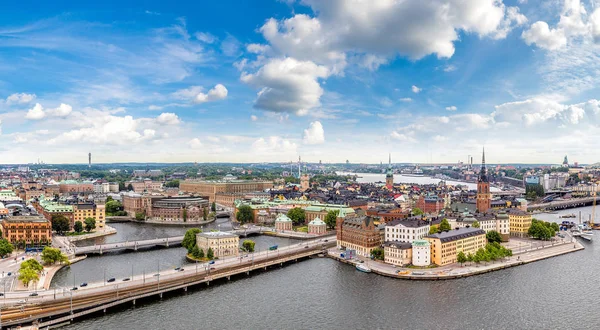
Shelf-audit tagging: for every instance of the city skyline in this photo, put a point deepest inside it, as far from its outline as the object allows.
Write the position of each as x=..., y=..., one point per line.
x=163, y=82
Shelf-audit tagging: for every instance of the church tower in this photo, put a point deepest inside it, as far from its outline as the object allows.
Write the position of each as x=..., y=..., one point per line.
x=389, y=176
x=484, y=197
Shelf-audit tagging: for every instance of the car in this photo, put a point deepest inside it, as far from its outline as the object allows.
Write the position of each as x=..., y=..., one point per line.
x=326, y=240
x=212, y=268
x=1, y=294
x=246, y=256
x=126, y=279
x=112, y=279
x=84, y=284
x=177, y=268
x=157, y=274
x=8, y=274
x=33, y=294
x=393, y=266
x=181, y=269
x=21, y=301
x=306, y=247
x=212, y=262
x=74, y=288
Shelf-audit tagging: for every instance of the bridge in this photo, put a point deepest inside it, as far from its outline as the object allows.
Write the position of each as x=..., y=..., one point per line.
x=174, y=241
x=563, y=204
x=50, y=308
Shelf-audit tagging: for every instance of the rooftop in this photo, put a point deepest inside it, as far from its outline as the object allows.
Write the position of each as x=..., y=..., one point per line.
x=456, y=234
x=26, y=218
x=217, y=234
x=398, y=245
x=413, y=223
x=420, y=242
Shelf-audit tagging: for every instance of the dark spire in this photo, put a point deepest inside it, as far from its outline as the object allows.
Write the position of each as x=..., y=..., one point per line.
x=483, y=172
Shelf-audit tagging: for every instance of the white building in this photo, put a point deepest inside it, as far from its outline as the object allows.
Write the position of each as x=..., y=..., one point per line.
x=222, y=243
x=102, y=188
x=403, y=230
x=421, y=253
x=498, y=222
x=397, y=253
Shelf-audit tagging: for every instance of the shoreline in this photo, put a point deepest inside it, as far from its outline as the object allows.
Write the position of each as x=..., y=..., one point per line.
x=442, y=274
x=159, y=222
x=108, y=230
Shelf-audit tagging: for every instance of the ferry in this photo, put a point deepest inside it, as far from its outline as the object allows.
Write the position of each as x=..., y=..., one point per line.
x=363, y=268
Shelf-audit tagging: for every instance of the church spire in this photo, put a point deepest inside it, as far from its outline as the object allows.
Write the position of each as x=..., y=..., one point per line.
x=483, y=172
x=390, y=161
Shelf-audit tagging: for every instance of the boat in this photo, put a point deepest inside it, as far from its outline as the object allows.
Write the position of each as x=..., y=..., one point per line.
x=363, y=268
x=587, y=235
x=567, y=216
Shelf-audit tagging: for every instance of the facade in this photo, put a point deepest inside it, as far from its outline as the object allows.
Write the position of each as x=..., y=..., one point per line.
x=497, y=221
x=405, y=230
x=222, y=243
x=283, y=222
x=421, y=253
x=101, y=187
x=113, y=187
x=48, y=208
x=145, y=185
x=211, y=188
x=175, y=208
x=520, y=221
x=397, y=253
x=317, y=227
x=75, y=187
x=90, y=210
x=320, y=211
x=484, y=197
x=133, y=203
x=446, y=245
x=358, y=233
x=32, y=230
x=432, y=204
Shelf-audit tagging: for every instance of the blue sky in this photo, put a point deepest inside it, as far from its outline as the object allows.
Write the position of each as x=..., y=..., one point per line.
x=240, y=81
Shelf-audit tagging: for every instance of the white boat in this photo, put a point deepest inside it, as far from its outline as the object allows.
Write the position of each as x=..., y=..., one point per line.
x=363, y=268
x=588, y=236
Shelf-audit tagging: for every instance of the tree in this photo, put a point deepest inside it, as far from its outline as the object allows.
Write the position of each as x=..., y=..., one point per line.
x=476, y=224
x=109, y=199
x=60, y=224
x=461, y=257
x=139, y=216
x=244, y=214
x=78, y=227
x=195, y=252
x=433, y=230
x=417, y=211
x=28, y=275
x=213, y=207
x=53, y=255
x=493, y=236
x=200, y=253
x=90, y=224
x=130, y=187
x=112, y=207
x=331, y=218
x=33, y=264
x=377, y=253
x=541, y=230
x=189, y=239
x=172, y=184
x=248, y=245
x=210, y=254
x=470, y=257
x=184, y=215
x=204, y=213
x=5, y=247
x=444, y=225
x=297, y=215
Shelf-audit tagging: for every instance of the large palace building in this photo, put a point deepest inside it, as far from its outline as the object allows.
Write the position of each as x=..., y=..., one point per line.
x=211, y=188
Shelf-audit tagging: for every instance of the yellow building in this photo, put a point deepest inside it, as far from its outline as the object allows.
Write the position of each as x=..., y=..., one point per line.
x=222, y=243
x=520, y=221
x=90, y=210
x=211, y=188
x=446, y=245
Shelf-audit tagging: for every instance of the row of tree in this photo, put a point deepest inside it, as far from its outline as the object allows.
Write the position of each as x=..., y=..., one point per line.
x=30, y=271
x=491, y=252
x=542, y=229
x=198, y=253
x=90, y=224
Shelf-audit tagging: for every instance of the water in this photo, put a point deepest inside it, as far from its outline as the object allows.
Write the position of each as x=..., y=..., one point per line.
x=398, y=178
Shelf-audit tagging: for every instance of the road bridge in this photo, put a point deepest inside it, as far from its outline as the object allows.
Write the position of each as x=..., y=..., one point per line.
x=49, y=308
x=174, y=241
x=563, y=204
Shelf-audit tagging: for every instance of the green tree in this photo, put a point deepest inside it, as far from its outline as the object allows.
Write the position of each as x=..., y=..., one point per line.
x=204, y=213
x=189, y=239
x=195, y=252
x=109, y=199
x=461, y=258
x=377, y=253
x=130, y=187
x=33, y=264
x=470, y=257
x=78, y=227
x=200, y=254
x=476, y=224
x=112, y=207
x=172, y=184
x=139, y=216
x=184, y=215
x=213, y=207
x=5, y=248
x=28, y=275
x=60, y=224
x=444, y=225
x=210, y=254
x=433, y=229
x=331, y=218
x=244, y=214
x=90, y=224
x=417, y=211
x=297, y=215
x=53, y=255
x=248, y=245
x=493, y=236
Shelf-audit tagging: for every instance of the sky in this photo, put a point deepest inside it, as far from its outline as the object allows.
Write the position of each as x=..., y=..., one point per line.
x=269, y=81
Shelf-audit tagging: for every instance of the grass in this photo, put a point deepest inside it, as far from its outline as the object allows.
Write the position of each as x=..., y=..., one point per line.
x=303, y=229
x=421, y=267
x=78, y=234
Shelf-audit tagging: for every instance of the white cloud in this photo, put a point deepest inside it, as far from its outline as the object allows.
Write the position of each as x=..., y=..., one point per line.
x=63, y=110
x=287, y=85
x=415, y=89
x=595, y=25
x=231, y=46
x=205, y=37
x=36, y=113
x=219, y=92
x=541, y=110
x=0, y=126
x=274, y=145
x=451, y=108
x=439, y=138
x=155, y=107
x=314, y=134
x=544, y=37
x=258, y=48
x=20, y=98
x=195, y=143
x=401, y=137
x=449, y=68
x=253, y=118
x=187, y=93
x=168, y=118
x=406, y=99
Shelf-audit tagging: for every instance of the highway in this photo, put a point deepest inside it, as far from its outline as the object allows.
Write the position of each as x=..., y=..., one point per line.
x=21, y=308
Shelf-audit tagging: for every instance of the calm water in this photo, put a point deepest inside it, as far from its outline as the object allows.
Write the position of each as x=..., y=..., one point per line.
x=398, y=178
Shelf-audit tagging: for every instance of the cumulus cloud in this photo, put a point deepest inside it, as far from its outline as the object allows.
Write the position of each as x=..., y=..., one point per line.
x=20, y=98
x=253, y=118
x=541, y=110
x=108, y=130
x=415, y=89
x=63, y=110
x=287, y=85
x=219, y=92
x=195, y=143
x=36, y=113
x=168, y=118
x=314, y=134
x=402, y=137
x=205, y=37
x=540, y=34
x=406, y=99
x=451, y=108
x=274, y=145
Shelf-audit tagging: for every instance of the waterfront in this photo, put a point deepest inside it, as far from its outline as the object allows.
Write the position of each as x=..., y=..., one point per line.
x=399, y=178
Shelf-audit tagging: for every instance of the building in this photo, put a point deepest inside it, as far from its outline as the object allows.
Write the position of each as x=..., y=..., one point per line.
x=406, y=231
x=358, y=233
x=431, y=204
x=421, y=253
x=75, y=187
x=317, y=227
x=8, y=196
x=317, y=210
x=145, y=185
x=3, y=210
x=446, y=245
x=304, y=182
x=27, y=229
x=133, y=203
x=223, y=244
x=113, y=187
x=498, y=221
x=283, y=222
x=179, y=208
x=90, y=210
x=397, y=253
x=484, y=197
x=211, y=188
x=389, y=175
x=147, y=173
x=101, y=187
x=48, y=209
x=520, y=221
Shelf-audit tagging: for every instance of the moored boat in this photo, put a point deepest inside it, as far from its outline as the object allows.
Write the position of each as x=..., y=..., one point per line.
x=363, y=268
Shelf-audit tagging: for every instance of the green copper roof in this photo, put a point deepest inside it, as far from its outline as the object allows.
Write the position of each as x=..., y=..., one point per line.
x=283, y=218
x=317, y=222
x=420, y=242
